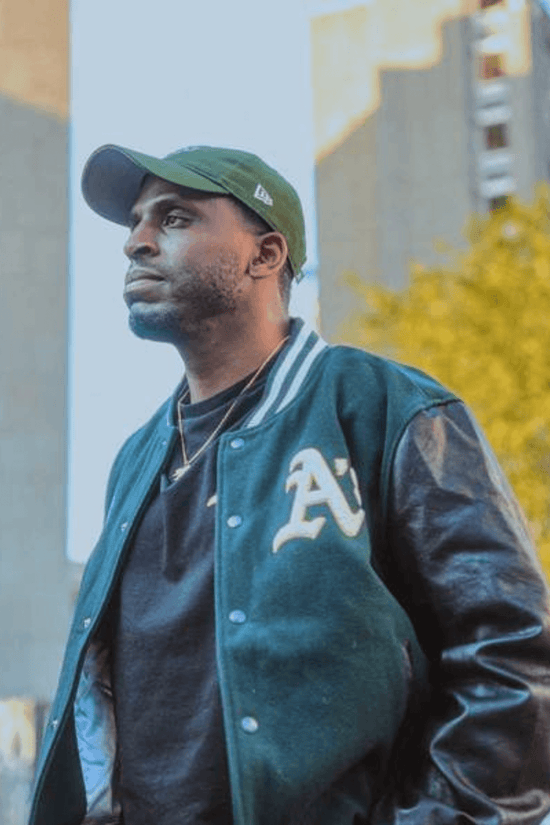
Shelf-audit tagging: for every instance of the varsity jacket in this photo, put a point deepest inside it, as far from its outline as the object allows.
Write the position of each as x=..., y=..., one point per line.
x=377, y=601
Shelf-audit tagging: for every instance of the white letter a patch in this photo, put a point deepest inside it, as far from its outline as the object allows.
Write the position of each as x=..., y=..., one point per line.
x=315, y=484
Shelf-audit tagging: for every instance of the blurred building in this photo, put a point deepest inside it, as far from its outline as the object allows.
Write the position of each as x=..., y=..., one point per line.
x=446, y=113
x=540, y=45
x=35, y=577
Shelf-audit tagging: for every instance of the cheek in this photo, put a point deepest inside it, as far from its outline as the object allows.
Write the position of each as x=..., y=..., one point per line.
x=209, y=253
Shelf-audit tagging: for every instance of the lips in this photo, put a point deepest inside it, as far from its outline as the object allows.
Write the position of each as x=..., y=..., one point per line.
x=141, y=281
x=137, y=275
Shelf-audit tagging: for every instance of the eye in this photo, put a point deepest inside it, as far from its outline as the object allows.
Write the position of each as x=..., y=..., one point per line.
x=176, y=219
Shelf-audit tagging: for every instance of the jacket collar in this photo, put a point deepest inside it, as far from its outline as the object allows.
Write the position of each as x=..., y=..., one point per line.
x=286, y=378
x=295, y=363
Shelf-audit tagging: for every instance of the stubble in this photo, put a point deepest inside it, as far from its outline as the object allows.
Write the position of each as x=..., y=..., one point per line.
x=205, y=292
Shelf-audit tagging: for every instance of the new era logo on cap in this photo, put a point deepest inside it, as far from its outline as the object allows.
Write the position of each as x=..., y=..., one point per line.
x=263, y=195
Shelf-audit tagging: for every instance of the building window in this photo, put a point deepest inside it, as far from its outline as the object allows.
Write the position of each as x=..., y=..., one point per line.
x=485, y=4
x=492, y=66
x=498, y=203
x=496, y=136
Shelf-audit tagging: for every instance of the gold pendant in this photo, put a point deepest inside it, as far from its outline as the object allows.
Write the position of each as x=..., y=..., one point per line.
x=177, y=474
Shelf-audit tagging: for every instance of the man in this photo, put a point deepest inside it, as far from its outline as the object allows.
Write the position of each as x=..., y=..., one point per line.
x=314, y=600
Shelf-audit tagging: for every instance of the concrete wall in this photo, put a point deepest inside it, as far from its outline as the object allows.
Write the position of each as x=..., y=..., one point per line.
x=33, y=326
x=423, y=150
x=399, y=181
x=540, y=97
x=35, y=577
x=36, y=581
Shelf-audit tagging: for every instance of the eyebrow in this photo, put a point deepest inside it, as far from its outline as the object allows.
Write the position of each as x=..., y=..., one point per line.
x=168, y=201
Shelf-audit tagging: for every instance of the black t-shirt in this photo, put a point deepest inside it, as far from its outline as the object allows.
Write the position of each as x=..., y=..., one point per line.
x=171, y=745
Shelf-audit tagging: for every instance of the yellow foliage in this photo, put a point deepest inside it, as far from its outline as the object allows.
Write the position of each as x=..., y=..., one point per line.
x=481, y=325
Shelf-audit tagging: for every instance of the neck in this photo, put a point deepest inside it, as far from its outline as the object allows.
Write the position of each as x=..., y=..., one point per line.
x=219, y=357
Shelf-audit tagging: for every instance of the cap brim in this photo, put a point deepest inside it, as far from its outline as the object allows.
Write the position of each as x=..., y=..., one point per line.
x=113, y=177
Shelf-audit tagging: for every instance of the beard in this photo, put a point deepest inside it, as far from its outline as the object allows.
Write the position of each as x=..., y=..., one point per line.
x=200, y=293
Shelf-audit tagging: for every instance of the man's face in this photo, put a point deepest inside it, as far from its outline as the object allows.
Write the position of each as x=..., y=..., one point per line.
x=189, y=252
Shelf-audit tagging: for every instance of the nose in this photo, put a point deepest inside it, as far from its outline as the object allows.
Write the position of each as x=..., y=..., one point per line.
x=141, y=241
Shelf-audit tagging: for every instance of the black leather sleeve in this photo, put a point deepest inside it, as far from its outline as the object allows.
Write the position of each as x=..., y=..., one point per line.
x=461, y=561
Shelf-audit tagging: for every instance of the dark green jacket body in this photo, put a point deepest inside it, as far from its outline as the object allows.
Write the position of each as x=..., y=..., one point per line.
x=377, y=602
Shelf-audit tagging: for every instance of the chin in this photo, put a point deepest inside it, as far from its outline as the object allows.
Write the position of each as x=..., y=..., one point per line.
x=154, y=324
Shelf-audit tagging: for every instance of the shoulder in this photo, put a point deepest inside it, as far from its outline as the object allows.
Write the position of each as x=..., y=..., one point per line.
x=400, y=386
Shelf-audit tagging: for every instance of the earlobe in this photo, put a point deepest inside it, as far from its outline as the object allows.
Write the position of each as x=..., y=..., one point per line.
x=255, y=268
x=257, y=273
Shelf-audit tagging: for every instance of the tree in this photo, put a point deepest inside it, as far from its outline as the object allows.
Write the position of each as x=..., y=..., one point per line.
x=481, y=325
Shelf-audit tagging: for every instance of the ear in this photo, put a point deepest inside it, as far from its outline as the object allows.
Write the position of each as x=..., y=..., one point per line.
x=270, y=255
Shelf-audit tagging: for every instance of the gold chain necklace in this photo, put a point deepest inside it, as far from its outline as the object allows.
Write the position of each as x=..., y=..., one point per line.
x=188, y=460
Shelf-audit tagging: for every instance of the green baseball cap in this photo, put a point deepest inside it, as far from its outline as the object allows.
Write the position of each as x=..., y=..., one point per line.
x=113, y=177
